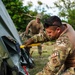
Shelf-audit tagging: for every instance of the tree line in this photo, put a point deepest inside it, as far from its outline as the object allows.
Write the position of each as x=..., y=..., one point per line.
x=21, y=15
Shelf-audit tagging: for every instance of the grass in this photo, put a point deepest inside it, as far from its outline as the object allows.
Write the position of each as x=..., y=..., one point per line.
x=40, y=62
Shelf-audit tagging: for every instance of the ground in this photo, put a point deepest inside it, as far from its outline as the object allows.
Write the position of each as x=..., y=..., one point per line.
x=40, y=62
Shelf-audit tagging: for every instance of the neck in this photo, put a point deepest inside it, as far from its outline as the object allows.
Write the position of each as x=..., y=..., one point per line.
x=63, y=28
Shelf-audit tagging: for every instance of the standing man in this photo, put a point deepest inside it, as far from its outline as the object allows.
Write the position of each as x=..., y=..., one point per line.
x=35, y=27
x=62, y=59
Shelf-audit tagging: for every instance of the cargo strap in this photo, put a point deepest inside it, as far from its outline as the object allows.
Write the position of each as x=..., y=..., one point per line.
x=37, y=44
x=24, y=67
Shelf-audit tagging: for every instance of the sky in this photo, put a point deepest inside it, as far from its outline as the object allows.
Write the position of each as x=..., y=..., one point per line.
x=48, y=2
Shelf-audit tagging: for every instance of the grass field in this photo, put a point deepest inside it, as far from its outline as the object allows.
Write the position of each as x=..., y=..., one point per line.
x=40, y=62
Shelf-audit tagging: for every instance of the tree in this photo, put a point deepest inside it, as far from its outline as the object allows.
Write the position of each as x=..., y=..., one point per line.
x=18, y=13
x=67, y=10
x=71, y=18
x=21, y=15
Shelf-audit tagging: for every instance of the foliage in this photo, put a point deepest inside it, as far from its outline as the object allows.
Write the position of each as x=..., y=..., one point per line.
x=18, y=13
x=67, y=10
x=71, y=18
x=21, y=15
x=45, y=16
x=40, y=3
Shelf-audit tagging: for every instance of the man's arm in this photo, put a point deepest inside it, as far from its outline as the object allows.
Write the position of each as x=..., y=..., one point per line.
x=28, y=26
x=28, y=42
x=41, y=28
x=57, y=59
x=38, y=38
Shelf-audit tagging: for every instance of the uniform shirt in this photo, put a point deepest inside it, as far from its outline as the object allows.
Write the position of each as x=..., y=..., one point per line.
x=35, y=27
x=62, y=48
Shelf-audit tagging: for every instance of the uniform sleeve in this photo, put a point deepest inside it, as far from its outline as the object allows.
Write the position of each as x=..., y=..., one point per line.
x=41, y=37
x=61, y=50
x=29, y=24
x=41, y=28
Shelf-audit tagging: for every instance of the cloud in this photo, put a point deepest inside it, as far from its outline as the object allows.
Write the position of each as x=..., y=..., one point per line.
x=50, y=3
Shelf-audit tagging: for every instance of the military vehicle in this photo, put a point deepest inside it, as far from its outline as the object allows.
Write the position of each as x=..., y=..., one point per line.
x=13, y=60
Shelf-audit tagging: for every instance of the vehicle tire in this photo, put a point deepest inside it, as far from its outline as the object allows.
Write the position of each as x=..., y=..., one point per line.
x=4, y=68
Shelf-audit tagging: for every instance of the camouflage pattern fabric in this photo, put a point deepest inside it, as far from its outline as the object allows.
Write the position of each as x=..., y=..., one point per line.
x=33, y=28
x=69, y=71
x=56, y=66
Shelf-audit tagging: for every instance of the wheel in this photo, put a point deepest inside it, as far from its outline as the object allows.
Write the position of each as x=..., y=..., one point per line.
x=4, y=68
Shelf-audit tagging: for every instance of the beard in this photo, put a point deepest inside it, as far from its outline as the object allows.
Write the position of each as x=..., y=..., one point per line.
x=51, y=38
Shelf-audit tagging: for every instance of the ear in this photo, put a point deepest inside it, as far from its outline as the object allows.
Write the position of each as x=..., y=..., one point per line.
x=58, y=29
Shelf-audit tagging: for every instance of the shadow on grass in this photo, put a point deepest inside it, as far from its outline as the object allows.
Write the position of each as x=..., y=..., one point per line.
x=39, y=62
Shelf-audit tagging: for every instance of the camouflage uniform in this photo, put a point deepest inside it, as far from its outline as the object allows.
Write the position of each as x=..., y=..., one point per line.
x=63, y=47
x=35, y=28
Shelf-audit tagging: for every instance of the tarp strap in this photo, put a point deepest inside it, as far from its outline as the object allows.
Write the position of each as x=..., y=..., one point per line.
x=24, y=67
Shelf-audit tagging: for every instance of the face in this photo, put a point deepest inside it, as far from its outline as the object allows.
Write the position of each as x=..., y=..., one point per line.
x=52, y=33
x=38, y=20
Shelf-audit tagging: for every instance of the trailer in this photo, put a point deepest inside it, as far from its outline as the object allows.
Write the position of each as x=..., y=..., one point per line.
x=13, y=59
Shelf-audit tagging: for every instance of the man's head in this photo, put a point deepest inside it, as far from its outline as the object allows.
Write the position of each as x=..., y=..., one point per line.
x=53, y=27
x=38, y=18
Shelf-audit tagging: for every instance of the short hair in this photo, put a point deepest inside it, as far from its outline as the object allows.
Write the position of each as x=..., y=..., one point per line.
x=52, y=21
